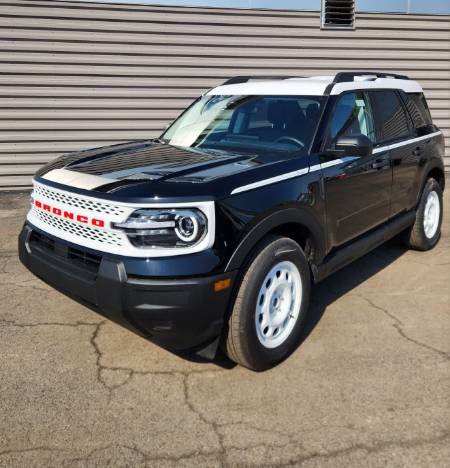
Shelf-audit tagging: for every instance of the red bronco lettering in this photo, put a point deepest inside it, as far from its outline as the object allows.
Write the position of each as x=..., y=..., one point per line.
x=69, y=214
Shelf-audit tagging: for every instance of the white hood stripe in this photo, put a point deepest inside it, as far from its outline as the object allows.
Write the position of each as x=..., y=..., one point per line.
x=76, y=179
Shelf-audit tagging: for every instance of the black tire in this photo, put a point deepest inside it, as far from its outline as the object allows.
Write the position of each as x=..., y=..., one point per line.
x=242, y=344
x=416, y=237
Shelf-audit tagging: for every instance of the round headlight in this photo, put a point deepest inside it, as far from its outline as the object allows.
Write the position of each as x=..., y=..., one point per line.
x=186, y=228
x=165, y=227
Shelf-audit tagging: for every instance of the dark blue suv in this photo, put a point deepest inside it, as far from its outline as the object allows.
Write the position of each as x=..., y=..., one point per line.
x=214, y=233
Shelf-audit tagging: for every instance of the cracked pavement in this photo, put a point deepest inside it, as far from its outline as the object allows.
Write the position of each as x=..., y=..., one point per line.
x=369, y=385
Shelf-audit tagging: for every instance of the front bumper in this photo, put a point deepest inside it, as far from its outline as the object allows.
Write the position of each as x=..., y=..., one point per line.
x=178, y=314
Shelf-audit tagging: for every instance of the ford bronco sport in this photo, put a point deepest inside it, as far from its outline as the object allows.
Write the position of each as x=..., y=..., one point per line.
x=214, y=233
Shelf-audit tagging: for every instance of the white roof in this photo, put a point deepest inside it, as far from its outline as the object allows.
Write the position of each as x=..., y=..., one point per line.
x=313, y=86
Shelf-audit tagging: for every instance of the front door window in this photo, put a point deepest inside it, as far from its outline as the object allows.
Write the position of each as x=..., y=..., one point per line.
x=352, y=116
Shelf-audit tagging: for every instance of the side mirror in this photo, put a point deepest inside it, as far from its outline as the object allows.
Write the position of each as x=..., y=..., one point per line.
x=356, y=145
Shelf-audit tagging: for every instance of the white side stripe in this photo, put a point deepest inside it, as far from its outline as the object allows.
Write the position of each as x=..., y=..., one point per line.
x=318, y=167
x=406, y=142
x=272, y=180
x=333, y=162
x=291, y=175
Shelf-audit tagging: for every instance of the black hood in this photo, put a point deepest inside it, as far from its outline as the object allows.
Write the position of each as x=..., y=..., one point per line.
x=151, y=163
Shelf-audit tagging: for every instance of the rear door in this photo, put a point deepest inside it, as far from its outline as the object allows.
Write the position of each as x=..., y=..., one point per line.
x=357, y=189
x=424, y=148
x=395, y=137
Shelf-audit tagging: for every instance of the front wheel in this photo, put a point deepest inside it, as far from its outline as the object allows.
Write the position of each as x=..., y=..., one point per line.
x=426, y=230
x=270, y=306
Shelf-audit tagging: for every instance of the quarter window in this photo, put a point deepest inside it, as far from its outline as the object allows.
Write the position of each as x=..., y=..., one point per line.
x=419, y=112
x=352, y=116
x=390, y=116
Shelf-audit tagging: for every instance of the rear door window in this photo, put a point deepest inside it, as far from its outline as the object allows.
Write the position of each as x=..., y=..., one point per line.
x=391, y=119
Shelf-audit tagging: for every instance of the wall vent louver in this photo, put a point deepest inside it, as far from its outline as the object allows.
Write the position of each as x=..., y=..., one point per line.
x=338, y=14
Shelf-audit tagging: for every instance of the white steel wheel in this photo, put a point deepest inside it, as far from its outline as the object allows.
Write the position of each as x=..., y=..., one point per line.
x=271, y=303
x=278, y=304
x=431, y=215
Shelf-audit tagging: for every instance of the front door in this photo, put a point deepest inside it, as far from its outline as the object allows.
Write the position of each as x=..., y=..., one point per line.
x=357, y=189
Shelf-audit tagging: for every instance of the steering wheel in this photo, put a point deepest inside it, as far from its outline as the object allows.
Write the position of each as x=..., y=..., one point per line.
x=289, y=139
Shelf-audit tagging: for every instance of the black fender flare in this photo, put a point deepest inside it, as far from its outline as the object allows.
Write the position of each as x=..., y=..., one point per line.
x=430, y=165
x=268, y=222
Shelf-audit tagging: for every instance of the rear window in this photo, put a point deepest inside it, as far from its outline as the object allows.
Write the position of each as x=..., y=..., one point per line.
x=419, y=112
x=391, y=119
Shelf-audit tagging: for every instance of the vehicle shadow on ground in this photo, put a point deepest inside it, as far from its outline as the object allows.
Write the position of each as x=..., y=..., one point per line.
x=349, y=278
x=336, y=286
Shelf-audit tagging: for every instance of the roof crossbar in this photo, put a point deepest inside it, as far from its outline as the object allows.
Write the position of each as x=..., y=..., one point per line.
x=245, y=79
x=343, y=77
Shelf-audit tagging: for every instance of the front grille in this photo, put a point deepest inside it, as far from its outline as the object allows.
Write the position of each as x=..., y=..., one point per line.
x=90, y=222
x=79, y=230
x=78, y=201
x=82, y=220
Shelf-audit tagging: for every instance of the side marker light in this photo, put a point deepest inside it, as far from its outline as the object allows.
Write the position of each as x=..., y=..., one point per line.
x=222, y=284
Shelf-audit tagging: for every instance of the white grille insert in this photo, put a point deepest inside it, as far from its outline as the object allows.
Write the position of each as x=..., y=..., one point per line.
x=78, y=201
x=86, y=232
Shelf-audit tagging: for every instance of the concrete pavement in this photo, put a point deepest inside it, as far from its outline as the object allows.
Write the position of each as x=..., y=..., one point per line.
x=369, y=386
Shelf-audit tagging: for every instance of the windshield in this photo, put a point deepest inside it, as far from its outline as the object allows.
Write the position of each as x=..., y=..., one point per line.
x=248, y=123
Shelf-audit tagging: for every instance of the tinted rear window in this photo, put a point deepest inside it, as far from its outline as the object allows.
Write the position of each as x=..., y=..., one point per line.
x=419, y=112
x=391, y=119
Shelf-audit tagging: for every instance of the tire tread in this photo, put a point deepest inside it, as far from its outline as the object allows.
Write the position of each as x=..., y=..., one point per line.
x=415, y=236
x=235, y=343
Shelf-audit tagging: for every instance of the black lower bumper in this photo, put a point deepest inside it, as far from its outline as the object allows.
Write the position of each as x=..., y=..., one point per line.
x=178, y=314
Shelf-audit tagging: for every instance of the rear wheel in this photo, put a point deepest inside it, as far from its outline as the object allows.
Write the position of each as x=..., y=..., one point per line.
x=426, y=231
x=270, y=306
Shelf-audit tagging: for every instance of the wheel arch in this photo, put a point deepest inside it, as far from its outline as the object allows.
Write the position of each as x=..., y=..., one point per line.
x=299, y=224
x=436, y=173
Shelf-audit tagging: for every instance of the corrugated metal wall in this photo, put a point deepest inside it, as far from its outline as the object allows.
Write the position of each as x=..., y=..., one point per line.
x=76, y=75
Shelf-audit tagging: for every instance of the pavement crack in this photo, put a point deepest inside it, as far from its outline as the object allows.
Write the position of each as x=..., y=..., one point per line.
x=382, y=309
x=30, y=449
x=143, y=455
x=212, y=424
x=398, y=325
x=8, y=253
x=402, y=333
x=99, y=355
x=13, y=323
x=369, y=449
x=130, y=372
x=24, y=284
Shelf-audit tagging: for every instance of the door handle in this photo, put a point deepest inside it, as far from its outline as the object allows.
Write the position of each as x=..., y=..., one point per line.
x=417, y=151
